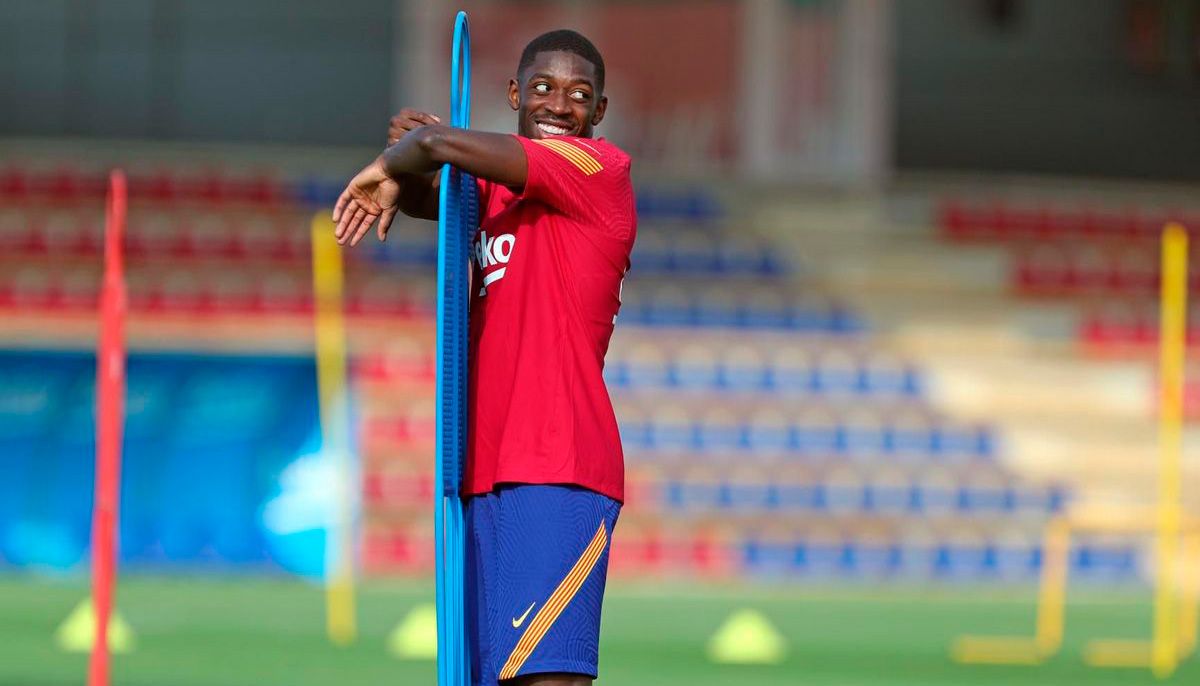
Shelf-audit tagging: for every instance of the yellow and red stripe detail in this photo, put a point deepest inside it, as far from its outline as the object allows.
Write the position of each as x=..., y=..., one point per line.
x=583, y=161
x=558, y=601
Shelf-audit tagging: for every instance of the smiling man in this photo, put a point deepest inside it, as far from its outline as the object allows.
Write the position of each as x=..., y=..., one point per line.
x=544, y=471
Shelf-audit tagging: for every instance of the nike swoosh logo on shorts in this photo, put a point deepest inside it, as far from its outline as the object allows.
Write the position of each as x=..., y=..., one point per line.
x=521, y=620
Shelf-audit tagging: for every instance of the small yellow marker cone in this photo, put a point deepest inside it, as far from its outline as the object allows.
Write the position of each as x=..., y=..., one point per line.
x=78, y=631
x=747, y=638
x=415, y=638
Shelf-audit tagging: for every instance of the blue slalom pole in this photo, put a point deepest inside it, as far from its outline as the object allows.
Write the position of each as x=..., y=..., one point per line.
x=458, y=219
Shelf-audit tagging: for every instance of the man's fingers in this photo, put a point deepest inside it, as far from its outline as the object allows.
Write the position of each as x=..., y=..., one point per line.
x=351, y=223
x=406, y=120
x=346, y=214
x=385, y=222
x=410, y=114
x=355, y=225
x=363, y=227
x=341, y=204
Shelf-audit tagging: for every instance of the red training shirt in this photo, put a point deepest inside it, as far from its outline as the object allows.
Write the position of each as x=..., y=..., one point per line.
x=547, y=269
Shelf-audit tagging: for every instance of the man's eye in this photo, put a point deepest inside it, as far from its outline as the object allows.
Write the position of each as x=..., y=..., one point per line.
x=541, y=88
x=579, y=95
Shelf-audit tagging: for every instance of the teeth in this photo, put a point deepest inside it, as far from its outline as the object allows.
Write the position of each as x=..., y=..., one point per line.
x=551, y=129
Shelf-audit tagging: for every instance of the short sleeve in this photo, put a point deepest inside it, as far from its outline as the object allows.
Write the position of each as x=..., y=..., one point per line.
x=583, y=178
x=485, y=191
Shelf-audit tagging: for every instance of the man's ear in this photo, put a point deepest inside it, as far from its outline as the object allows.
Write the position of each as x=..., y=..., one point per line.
x=514, y=94
x=601, y=107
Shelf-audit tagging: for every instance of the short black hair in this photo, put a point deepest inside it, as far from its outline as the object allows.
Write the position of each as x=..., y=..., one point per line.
x=564, y=40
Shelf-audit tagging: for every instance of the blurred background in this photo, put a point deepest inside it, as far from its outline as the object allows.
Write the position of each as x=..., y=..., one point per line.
x=893, y=310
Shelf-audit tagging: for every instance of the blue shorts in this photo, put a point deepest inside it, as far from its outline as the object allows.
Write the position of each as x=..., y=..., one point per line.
x=537, y=559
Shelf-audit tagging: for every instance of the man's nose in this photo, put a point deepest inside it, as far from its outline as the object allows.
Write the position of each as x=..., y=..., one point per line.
x=559, y=105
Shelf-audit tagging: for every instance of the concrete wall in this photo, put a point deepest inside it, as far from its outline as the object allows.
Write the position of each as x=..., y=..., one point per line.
x=299, y=71
x=1052, y=91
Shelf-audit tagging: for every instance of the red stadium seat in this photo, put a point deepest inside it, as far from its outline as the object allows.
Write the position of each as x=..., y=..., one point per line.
x=76, y=291
x=14, y=184
x=1043, y=269
x=1136, y=270
x=30, y=288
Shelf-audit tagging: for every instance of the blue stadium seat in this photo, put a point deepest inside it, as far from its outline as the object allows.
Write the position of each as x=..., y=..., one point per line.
x=692, y=207
x=1014, y=559
x=957, y=560
x=636, y=434
x=737, y=256
x=317, y=192
x=695, y=367
x=797, y=497
x=671, y=430
x=1105, y=562
x=815, y=432
x=888, y=494
x=819, y=557
x=768, y=433
x=862, y=434
x=692, y=254
x=721, y=433
x=746, y=495
x=743, y=368
x=405, y=248
x=873, y=559
x=991, y=500
x=718, y=308
x=646, y=367
x=652, y=255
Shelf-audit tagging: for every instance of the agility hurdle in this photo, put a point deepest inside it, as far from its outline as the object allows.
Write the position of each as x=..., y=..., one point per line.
x=1176, y=535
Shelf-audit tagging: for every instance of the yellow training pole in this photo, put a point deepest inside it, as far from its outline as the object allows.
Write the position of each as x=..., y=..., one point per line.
x=1189, y=611
x=1052, y=593
x=1165, y=648
x=335, y=428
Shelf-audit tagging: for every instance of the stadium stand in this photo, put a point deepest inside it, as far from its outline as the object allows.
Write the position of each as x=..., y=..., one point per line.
x=773, y=424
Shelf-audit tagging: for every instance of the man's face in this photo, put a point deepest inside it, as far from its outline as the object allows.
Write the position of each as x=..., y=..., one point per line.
x=556, y=95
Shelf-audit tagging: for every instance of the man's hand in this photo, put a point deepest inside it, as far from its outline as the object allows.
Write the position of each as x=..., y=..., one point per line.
x=371, y=195
x=406, y=120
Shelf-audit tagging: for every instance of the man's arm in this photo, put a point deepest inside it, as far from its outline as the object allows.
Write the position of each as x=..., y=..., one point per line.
x=375, y=194
x=419, y=195
x=496, y=157
x=418, y=192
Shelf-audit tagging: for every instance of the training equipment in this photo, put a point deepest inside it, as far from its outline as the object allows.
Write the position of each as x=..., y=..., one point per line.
x=334, y=403
x=747, y=638
x=458, y=219
x=110, y=418
x=1177, y=536
x=77, y=633
x=415, y=637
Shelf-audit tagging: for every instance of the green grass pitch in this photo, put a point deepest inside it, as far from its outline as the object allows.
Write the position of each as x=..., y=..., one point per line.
x=249, y=631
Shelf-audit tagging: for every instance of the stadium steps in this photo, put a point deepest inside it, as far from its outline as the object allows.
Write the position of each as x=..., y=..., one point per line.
x=950, y=309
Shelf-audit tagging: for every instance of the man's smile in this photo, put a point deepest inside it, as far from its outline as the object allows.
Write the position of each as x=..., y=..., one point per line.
x=552, y=127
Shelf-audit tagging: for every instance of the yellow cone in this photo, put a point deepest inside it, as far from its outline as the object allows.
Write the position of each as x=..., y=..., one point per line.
x=415, y=637
x=78, y=631
x=747, y=638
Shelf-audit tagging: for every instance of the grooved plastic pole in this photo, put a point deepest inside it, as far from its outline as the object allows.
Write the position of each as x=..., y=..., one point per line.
x=458, y=219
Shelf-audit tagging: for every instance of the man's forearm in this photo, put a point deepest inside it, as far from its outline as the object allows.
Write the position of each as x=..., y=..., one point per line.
x=495, y=157
x=410, y=161
x=411, y=155
x=419, y=195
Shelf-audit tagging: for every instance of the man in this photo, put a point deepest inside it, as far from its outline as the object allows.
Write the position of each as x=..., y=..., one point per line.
x=544, y=472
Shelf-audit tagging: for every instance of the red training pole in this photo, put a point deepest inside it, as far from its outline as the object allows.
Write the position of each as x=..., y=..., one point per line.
x=110, y=413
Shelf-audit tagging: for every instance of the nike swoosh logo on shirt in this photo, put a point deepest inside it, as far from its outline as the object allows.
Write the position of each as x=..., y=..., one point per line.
x=521, y=620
